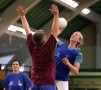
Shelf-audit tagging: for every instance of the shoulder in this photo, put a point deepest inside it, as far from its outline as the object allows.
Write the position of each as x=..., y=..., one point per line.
x=51, y=40
x=77, y=51
x=61, y=43
x=30, y=42
x=29, y=36
x=51, y=36
x=9, y=75
x=23, y=74
x=80, y=53
x=79, y=57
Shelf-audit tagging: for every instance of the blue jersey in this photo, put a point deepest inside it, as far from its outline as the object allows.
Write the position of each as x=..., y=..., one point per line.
x=73, y=55
x=17, y=82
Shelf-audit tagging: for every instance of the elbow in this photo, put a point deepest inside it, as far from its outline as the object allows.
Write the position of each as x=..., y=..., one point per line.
x=76, y=71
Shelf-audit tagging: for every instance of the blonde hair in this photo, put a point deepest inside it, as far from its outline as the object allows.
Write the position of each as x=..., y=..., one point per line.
x=80, y=39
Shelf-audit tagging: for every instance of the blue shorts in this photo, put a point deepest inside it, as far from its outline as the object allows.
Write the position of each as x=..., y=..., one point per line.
x=44, y=87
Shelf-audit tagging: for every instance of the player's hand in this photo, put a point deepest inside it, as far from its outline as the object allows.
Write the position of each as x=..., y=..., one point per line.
x=20, y=10
x=54, y=9
x=65, y=61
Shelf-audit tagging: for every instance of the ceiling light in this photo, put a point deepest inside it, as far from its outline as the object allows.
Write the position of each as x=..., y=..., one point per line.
x=12, y=28
x=70, y=3
x=85, y=11
x=16, y=28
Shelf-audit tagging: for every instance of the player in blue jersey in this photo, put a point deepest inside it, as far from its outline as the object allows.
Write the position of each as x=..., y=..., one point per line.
x=68, y=58
x=16, y=80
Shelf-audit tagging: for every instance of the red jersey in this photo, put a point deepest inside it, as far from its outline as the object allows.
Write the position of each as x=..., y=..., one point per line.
x=43, y=63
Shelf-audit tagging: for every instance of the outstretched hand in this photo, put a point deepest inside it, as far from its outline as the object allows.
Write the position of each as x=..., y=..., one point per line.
x=54, y=9
x=20, y=10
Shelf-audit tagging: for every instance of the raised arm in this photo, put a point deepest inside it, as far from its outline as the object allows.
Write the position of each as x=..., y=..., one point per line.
x=25, y=24
x=55, y=24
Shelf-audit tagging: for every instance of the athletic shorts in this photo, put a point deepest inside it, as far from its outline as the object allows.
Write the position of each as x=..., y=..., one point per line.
x=44, y=87
x=62, y=85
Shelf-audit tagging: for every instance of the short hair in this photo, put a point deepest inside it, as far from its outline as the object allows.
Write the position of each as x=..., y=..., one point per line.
x=38, y=37
x=16, y=61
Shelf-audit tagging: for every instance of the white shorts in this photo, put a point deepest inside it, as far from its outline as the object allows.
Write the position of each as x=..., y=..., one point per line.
x=62, y=85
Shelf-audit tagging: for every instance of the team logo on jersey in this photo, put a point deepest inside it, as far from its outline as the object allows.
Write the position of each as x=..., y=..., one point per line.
x=11, y=83
x=19, y=83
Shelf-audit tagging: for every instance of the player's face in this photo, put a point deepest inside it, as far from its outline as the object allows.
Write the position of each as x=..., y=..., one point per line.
x=75, y=37
x=15, y=66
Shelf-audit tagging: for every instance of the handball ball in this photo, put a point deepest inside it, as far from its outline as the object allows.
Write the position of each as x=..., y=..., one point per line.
x=62, y=23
